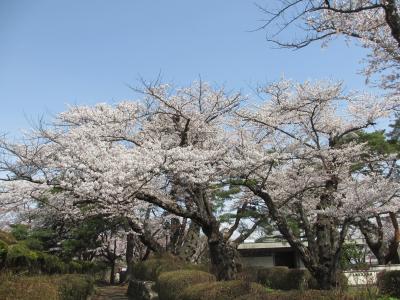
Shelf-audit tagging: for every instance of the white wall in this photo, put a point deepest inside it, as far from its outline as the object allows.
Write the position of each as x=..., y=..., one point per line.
x=365, y=277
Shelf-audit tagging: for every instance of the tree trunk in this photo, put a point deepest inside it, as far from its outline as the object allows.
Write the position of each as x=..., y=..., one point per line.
x=190, y=243
x=146, y=238
x=322, y=253
x=130, y=244
x=327, y=280
x=327, y=242
x=112, y=274
x=222, y=255
x=175, y=230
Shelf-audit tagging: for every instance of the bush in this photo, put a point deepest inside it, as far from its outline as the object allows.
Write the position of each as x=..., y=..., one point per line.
x=34, y=244
x=75, y=287
x=389, y=283
x=20, y=257
x=249, y=274
x=50, y=264
x=171, y=284
x=90, y=267
x=221, y=290
x=7, y=237
x=274, y=277
x=74, y=267
x=297, y=279
x=151, y=268
x=3, y=253
x=283, y=278
x=20, y=231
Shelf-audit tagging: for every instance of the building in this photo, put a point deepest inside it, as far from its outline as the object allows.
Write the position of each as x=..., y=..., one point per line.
x=269, y=254
x=279, y=253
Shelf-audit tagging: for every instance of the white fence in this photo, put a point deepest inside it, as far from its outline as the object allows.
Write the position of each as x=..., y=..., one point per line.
x=366, y=277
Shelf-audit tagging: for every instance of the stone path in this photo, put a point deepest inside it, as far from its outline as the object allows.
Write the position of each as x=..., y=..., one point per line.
x=110, y=292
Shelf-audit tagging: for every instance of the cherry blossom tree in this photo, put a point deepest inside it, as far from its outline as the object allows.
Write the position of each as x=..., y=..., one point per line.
x=185, y=150
x=375, y=25
x=167, y=150
x=292, y=156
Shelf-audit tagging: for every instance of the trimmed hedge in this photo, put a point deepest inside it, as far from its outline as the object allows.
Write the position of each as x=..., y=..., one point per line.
x=297, y=279
x=249, y=274
x=66, y=287
x=274, y=278
x=222, y=290
x=389, y=283
x=283, y=278
x=170, y=285
x=150, y=269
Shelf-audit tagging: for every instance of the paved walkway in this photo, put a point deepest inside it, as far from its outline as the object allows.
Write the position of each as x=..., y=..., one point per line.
x=110, y=292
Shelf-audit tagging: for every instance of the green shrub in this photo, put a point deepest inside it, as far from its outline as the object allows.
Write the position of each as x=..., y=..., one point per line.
x=283, y=278
x=20, y=231
x=249, y=274
x=34, y=244
x=50, y=264
x=7, y=237
x=297, y=279
x=171, y=284
x=75, y=287
x=74, y=267
x=20, y=257
x=274, y=277
x=221, y=290
x=3, y=253
x=90, y=267
x=389, y=283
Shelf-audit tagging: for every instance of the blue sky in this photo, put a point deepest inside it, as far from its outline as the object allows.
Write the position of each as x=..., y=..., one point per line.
x=58, y=52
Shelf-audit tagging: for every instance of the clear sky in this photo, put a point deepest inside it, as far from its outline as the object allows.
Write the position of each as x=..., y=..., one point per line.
x=55, y=52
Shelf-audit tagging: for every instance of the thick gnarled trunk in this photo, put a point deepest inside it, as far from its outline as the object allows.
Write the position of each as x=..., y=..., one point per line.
x=328, y=243
x=222, y=254
x=190, y=242
x=322, y=254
